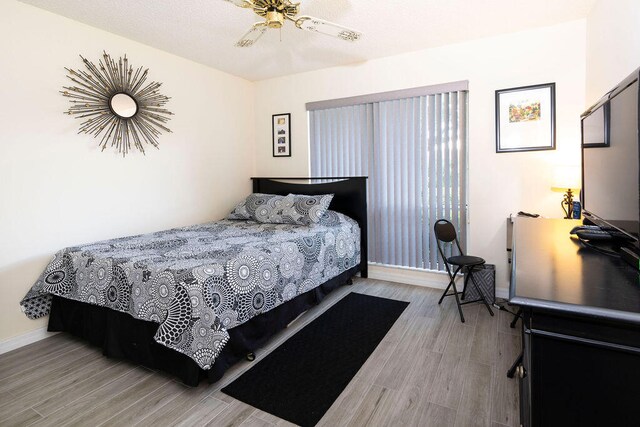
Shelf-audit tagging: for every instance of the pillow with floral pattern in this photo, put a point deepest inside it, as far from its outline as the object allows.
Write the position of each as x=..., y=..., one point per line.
x=296, y=209
x=256, y=205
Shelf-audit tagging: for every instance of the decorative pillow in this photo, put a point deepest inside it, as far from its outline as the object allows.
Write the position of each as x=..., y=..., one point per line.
x=291, y=209
x=271, y=212
x=308, y=210
x=257, y=205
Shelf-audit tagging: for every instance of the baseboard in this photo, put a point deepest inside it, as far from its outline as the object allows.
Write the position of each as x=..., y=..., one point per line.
x=416, y=277
x=25, y=339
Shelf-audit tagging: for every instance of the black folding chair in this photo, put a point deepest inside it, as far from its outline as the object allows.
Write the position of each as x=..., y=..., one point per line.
x=445, y=233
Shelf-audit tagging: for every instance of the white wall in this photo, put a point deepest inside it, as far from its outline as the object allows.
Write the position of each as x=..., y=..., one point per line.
x=57, y=189
x=613, y=45
x=499, y=184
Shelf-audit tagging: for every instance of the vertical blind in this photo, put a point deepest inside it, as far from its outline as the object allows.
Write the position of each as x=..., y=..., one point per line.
x=413, y=150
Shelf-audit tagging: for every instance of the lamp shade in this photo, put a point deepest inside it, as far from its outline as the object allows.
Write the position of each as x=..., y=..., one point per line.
x=566, y=177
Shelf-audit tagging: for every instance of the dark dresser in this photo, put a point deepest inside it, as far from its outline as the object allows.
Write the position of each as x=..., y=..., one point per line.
x=581, y=329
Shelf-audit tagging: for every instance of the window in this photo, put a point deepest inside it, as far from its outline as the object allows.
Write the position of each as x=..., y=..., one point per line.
x=412, y=145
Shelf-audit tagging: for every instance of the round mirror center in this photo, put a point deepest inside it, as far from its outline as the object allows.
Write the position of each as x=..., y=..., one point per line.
x=123, y=105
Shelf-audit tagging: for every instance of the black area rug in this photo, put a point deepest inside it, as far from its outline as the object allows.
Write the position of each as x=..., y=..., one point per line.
x=300, y=380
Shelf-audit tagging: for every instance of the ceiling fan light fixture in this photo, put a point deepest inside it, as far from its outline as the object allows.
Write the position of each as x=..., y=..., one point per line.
x=275, y=18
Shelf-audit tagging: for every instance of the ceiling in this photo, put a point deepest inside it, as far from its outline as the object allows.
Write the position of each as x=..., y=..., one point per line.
x=205, y=31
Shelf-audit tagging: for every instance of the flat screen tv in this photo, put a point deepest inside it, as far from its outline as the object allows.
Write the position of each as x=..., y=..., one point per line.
x=610, y=161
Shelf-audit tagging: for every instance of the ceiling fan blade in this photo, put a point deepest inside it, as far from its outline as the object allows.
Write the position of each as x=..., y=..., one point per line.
x=317, y=25
x=241, y=3
x=252, y=36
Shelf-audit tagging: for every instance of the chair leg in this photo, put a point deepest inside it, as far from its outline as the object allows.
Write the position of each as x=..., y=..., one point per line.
x=482, y=297
x=451, y=282
x=455, y=293
x=466, y=281
x=444, y=294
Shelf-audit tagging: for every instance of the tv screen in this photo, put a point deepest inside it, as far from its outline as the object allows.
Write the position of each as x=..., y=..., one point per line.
x=610, y=155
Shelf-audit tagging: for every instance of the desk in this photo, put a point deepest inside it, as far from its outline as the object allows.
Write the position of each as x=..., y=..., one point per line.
x=581, y=329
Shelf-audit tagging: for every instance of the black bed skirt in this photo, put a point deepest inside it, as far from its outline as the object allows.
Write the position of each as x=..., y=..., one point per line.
x=122, y=336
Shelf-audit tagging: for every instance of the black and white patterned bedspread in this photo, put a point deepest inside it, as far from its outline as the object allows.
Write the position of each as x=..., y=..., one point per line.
x=197, y=282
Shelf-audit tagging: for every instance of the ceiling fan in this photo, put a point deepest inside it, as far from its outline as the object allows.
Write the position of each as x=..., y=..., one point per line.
x=276, y=12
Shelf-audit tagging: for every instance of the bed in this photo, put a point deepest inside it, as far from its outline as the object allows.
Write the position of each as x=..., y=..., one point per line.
x=194, y=300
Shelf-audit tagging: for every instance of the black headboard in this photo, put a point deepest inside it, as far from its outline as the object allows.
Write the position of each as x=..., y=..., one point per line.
x=350, y=198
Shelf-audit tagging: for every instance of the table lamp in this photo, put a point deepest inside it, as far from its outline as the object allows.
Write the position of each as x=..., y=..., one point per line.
x=567, y=180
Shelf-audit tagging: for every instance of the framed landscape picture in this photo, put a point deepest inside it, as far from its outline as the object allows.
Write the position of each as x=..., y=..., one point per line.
x=526, y=118
x=281, y=129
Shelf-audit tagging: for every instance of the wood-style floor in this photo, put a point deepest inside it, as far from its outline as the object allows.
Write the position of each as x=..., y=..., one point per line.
x=430, y=370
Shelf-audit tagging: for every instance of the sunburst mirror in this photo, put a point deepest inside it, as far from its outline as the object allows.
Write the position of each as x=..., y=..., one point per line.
x=117, y=105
